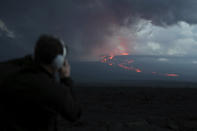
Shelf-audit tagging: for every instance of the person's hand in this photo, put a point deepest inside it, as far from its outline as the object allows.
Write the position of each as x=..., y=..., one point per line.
x=65, y=70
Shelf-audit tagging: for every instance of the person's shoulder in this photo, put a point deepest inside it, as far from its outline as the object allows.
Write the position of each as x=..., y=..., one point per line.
x=10, y=68
x=33, y=76
x=27, y=59
x=14, y=65
x=28, y=74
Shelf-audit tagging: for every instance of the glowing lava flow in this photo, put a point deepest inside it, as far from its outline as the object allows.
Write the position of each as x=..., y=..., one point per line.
x=122, y=64
x=171, y=75
x=126, y=64
x=166, y=74
x=122, y=48
x=124, y=53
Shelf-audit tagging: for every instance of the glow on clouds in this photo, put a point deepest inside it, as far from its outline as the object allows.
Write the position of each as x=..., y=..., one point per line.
x=178, y=40
x=145, y=38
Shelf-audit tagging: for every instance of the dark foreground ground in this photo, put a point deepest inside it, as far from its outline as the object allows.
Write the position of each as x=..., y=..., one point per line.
x=136, y=109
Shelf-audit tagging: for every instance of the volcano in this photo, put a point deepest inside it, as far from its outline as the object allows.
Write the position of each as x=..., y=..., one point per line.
x=124, y=63
x=127, y=63
x=131, y=69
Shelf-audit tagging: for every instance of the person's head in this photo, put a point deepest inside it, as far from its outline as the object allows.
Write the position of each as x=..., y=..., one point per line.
x=50, y=52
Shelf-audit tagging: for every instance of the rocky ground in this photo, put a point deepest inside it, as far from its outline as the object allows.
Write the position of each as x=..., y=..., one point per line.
x=136, y=109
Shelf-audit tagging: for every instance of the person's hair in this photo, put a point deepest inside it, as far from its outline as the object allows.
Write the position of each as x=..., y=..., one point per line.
x=46, y=49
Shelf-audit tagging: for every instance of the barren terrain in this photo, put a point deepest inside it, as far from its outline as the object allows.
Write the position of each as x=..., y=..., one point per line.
x=136, y=109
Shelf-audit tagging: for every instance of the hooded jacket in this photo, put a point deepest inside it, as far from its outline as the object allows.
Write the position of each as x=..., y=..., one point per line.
x=31, y=99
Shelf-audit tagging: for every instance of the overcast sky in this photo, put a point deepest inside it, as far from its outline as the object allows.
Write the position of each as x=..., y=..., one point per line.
x=93, y=28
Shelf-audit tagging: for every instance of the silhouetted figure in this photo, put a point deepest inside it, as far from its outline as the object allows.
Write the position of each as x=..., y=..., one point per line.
x=38, y=90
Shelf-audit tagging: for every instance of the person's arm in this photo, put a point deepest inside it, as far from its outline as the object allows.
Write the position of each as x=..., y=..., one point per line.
x=60, y=98
x=67, y=81
x=57, y=96
x=41, y=89
x=67, y=104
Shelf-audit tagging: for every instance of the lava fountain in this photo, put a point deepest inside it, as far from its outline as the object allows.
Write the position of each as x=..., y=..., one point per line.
x=121, y=50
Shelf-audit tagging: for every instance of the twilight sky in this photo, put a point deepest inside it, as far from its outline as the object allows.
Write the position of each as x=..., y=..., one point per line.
x=93, y=28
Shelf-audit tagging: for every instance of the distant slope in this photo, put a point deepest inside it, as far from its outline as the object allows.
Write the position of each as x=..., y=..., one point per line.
x=97, y=72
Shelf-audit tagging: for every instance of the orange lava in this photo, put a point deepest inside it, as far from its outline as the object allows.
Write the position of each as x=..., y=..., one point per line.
x=122, y=64
x=125, y=67
x=126, y=64
x=104, y=60
x=171, y=75
x=129, y=68
x=138, y=70
x=111, y=57
x=124, y=53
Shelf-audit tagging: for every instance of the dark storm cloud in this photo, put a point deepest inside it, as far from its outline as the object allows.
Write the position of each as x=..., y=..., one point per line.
x=84, y=24
x=161, y=12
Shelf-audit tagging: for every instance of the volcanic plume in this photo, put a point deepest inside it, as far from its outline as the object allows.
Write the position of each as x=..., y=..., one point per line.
x=121, y=49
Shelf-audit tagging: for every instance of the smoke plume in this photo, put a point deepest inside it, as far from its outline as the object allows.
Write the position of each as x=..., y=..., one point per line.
x=92, y=27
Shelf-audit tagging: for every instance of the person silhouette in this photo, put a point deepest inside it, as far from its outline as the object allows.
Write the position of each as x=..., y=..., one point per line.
x=33, y=96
